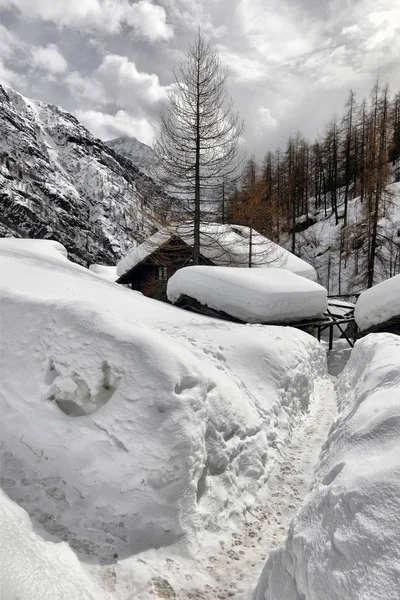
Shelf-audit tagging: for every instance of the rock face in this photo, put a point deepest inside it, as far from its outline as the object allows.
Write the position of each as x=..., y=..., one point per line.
x=140, y=154
x=58, y=181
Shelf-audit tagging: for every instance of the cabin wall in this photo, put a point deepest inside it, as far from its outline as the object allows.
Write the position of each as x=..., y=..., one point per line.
x=152, y=279
x=151, y=276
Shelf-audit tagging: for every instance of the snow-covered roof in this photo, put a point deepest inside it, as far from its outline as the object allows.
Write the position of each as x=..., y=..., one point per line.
x=252, y=295
x=378, y=304
x=224, y=245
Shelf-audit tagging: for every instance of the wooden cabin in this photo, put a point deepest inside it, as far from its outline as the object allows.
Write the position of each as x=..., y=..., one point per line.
x=151, y=273
x=148, y=267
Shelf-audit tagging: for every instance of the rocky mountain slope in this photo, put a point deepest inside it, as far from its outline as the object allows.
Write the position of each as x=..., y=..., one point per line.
x=58, y=181
x=140, y=154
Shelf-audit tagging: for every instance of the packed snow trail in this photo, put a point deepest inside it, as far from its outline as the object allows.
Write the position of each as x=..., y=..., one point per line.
x=344, y=542
x=233, y=571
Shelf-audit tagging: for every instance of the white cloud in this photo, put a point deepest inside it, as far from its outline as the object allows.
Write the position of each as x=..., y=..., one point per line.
x=49, y=58
x=352, y=31
x=275, y=29
x=335, y=70
x=244, y=68
x=85, y=88
x=7, y=77
x=123, y=81
x=118, y=80
x=107, y=126
x=188, y=15
x=147, y=18
x=8, y=42
x=266, y=118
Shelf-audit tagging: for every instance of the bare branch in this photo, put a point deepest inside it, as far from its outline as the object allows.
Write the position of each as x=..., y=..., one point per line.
x=197, y=147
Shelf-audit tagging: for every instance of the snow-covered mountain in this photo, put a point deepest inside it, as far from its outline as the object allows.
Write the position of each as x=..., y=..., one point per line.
x=58, y=181
x=140, y=154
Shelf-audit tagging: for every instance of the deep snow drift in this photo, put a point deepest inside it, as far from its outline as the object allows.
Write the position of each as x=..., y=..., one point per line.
x=105, y=272
x=251, y=295
x=344, y=543
x=378, y=304
x=35, y=569
x=130, y=424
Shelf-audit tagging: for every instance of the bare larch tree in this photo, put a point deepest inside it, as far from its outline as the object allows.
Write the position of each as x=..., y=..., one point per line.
x=197, y=145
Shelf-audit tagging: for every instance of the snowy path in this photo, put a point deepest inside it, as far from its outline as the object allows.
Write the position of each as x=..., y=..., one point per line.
x=233, y=572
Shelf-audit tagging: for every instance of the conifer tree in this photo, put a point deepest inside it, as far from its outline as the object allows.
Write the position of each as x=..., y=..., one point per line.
x=197, y=145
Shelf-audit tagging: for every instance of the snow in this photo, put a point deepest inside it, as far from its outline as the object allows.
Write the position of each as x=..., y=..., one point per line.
x=232, y=570
x=224, y=245
x=344, y=543
x=105, y=272
x=133, y=430
x=341, y=310
x=251, y=295
x=32, y=568
x=60, y=181
x=35, y=249
x=319, y=245
x=140, y=154
x=378, y=304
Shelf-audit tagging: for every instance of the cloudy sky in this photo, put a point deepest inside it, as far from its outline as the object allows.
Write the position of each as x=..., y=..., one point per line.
x=110, y=62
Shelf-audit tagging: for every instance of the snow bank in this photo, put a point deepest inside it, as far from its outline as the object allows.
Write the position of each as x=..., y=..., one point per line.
x=252, y=295
x=48, y=249
x=378, y=304
x=107, y=273
x=34, y=569
x=129, y=424
x=345, y=542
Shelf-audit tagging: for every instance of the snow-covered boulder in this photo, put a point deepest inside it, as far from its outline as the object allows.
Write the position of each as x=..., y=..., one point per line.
x=251, y=295
x=129, y=424
x=345, y=542
x=379, y=304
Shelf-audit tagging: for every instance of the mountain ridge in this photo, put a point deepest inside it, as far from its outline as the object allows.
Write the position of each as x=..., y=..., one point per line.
x=58, y=181
x=137, y=152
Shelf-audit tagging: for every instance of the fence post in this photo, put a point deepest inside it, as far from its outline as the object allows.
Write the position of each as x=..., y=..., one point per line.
x=331, y=336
